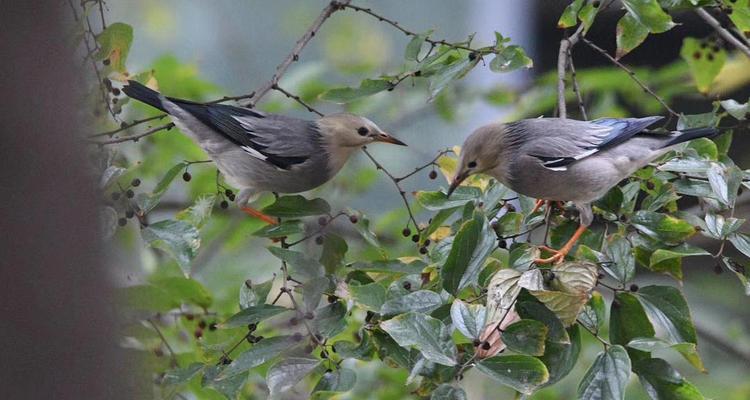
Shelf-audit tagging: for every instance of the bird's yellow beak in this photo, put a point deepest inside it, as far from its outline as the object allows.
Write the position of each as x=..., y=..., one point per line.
x=386, y=138
x=460, y=177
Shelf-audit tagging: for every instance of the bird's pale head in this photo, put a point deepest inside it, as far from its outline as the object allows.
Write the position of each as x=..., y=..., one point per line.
x=352, y=131
x=479, y=153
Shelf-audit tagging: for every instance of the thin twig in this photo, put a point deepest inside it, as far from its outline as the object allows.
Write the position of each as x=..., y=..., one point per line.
x=727, y=345
x=430, y=163
x=723, y=32
x=401, y=191
x=128, y=126
x=594, y=334
x=172, y=354
x=576, y=88
x=562, y=60
x=134, y=138
x=317, y=231
x=297, y=99
x=632, y=76
x=407, y=32
x=293, y=56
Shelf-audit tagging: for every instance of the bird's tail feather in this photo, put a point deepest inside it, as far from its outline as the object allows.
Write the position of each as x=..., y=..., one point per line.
x=141, y=92
x=690, y=134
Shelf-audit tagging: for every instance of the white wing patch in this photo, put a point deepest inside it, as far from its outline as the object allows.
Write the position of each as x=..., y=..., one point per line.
x=254, y=153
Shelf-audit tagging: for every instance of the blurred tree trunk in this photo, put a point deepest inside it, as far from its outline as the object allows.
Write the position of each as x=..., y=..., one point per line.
x=56, y=304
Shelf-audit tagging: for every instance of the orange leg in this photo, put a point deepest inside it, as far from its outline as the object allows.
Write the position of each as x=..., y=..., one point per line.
x=257, y=214
x=559, y=255
x=538, y=205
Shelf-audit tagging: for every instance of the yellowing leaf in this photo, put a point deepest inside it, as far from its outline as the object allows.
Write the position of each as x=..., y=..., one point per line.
x=114, y=45
x=705, y=61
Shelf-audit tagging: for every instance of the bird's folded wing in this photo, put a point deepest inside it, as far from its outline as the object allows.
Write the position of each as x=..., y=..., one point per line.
x=278, y=140
x=558, y=143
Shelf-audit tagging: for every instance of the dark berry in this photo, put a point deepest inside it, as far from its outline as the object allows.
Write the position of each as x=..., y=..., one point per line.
x=228, y=192
x=122, y=221
x=116, y=91
x=595, y=3
x=198, y=333
x=186, y=176
x=406, y=232
x=415, y=238
x=502, y=244
x=472, y=56
x=426, y=242
x=423, y=250
x=319, y=240
x=650, y=185
x=417, y=73
x=406, y=285
x=115, y=100
x=717, y=269
x=369, y=316
x=486, y=345
x=634, y=288
x=106, y=61
x=115, y=196
x=202, y=324
x=697, y=55
x=212, y=326
x=252, y=327
x=433, y=174
x=510, y=207
x=135, y=182
x=322, y=221
x=477, y=342
x=231, y=197
x=129, y=214
x=258, y=339
x=226, y=360
x=710, y=57
x=224, y=204
x=129, y=193
x=353, y=219
x=332, y=299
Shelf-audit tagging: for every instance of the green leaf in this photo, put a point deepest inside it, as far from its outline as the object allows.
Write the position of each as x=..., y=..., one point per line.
x=296, y=207
x=725, y=182
x=181, y=375
x=446, y=391
x=334, y=382
x=560, y=358
x=719, y=227
x=147, y=202
x=556, y=332
x=526, y=336
x=688, y=350
x=627, y=321
x=593, y=314
x=649, y=14
x=471, y=246
x=734, y=108
x=334, y=251
x=435, y=201
x=510, y=59
x=665, y=228
x=449, y=73
x=565, y=305
x=301, y=267
x=587, y=14
x=368, y=87
x=662, y=382
x=502, y=292
x=229, y=387
x=630, y=34
x=252, y=315
x=667, y=307
x=469, y=319
x=261, y=352
x=741, y=271
x=569, y=17
x=607, y=377
x=178, y=238
x=740, y=14
x=430, y=336
x=688, y=166
x=437, y=222
x=329, y=321
x=415, y=46
x=185, y=290
x=370, y=296
x=254, y=294
x=523, y=373
x=704, y=63
x=360, y=351
x=392, y=353
x=390, y=266
x=622, y=267
x=683, y=250
x=421, y=301
x=286, y=373
x=114, y=45
x=285, y=228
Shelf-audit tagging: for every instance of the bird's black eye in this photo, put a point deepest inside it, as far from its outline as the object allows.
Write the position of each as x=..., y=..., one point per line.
x=363, y=131
x=472, y=164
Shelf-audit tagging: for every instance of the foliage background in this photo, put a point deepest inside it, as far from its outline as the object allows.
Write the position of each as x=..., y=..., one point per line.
x=202, y=53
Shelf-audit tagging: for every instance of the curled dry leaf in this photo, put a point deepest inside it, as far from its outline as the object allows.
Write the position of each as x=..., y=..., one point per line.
x=572, y=286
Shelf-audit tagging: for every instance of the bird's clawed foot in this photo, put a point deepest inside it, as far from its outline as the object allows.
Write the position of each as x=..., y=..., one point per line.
x=540, y=202
x=558, y=256
x=259, y=215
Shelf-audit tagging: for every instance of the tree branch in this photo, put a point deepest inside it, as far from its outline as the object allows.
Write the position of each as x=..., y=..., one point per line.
x=297, y=99
x=293, y=56
x=576, y=88
x=632, y=76
x=395, y=181
x=562, y=66
x=723, y=32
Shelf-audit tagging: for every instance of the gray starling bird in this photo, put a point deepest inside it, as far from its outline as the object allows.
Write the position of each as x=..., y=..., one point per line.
x=565, y=159
x=260, y=152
